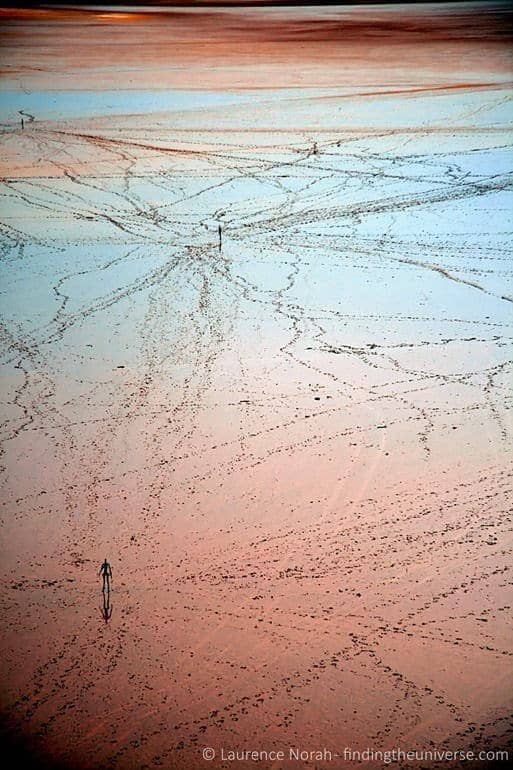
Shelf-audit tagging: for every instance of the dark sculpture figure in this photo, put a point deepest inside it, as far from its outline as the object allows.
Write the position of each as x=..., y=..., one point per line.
x=106, y=573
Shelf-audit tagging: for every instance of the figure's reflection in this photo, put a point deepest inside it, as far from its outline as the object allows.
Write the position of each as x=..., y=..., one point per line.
x=107, y=606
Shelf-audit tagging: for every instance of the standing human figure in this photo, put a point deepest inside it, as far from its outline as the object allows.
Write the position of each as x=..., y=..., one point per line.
x=22, y=124
x=106, y=573
x=219, y=231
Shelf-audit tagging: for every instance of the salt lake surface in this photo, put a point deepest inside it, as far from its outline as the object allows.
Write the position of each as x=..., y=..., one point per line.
x=293, y=445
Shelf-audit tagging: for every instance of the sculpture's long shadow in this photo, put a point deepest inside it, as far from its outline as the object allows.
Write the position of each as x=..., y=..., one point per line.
x=107, y=607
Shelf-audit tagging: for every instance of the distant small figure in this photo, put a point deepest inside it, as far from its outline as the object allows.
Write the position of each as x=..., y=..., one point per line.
x=219, y=231
x=22, y=124
x=106, y=573
x=315, y=148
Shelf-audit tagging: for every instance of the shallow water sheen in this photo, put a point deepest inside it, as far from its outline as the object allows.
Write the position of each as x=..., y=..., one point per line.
x=292, y=439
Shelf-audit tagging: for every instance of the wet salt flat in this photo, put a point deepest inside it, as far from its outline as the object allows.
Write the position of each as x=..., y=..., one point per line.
x=293, y=446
